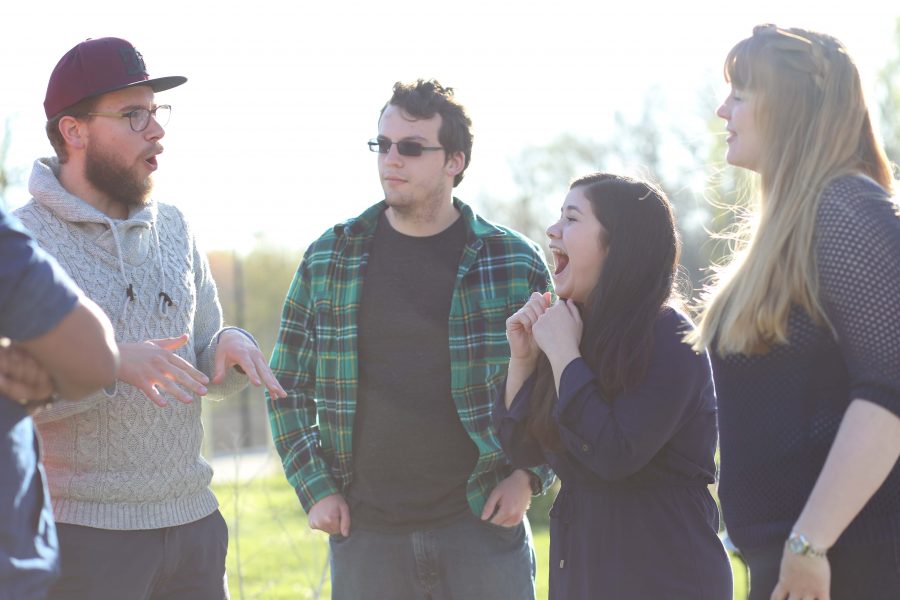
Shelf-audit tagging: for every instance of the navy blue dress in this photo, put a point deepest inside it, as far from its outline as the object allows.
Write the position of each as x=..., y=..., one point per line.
x=781, y=410
x=634, y=517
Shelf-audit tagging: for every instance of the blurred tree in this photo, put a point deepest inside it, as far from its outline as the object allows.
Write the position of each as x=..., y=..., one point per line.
x=4, y=174
x=262, y=277
x=637, y=147
x=252, y=289
x=888, y=94
x=542, y=174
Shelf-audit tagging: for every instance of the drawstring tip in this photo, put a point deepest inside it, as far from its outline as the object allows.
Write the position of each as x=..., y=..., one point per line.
x=164, y=303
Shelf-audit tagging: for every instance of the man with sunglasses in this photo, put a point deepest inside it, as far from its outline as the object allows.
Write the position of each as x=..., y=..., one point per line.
x=135, y=516
x=392, y=349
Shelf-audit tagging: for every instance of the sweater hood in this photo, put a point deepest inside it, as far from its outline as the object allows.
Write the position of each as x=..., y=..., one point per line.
x=132, y=241
x=134, y=233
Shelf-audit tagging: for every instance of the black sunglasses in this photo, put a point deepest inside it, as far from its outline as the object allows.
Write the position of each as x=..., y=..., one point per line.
x=383, y=145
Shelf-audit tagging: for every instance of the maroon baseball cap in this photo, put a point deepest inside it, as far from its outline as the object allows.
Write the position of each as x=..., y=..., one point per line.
x=96, y=67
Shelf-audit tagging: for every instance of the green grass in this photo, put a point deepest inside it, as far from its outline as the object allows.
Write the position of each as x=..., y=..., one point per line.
x=273, y=555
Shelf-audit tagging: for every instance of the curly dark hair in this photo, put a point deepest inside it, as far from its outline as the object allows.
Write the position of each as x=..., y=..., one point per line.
x=424, y=99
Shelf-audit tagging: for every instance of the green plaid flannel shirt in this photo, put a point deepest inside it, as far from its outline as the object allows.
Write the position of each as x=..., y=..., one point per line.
x=315, y=357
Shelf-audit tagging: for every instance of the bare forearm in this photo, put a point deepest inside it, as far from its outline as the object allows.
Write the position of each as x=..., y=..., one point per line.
x=864, y=452
x=80, y=353
x=518, y=373
x=559, y=360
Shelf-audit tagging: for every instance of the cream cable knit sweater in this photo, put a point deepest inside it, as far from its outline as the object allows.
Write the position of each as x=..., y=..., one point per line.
x=117, y=460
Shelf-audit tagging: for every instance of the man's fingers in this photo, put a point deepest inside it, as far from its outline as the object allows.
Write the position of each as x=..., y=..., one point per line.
x=504, y=520
x=172, y=343
x=173, y=389
x=181, y=380
x=501, y=515
x=188, y=369
x=490, y=507
x=246, y=363
x=151, y=392
x=338, y=523
x=269, y=379
x=182, y=373
x=345, y=519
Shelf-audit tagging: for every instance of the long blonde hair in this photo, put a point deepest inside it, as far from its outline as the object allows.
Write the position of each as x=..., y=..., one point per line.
x=815, y=126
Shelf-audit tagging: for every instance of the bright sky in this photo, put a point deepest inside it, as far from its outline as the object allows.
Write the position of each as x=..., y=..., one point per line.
x=267, y=138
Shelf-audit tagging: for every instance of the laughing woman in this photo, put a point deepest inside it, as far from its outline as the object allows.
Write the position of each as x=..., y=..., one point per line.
x=602, y=387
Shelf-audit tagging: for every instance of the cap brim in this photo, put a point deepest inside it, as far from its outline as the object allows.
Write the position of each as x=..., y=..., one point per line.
x=160, y=84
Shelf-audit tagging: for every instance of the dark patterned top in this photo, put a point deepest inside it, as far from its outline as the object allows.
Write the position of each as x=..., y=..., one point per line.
x=779, y=412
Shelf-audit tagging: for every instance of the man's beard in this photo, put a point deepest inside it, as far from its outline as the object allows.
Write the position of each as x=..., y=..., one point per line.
x=106, y=172
x=418, y=205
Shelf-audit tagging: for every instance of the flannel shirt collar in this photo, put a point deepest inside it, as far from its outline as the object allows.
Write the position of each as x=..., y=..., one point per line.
x=364, y=224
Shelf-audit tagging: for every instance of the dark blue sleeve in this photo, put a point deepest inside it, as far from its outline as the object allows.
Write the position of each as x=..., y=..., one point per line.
x=617, y=437
x=520, y=447
x=35, y=292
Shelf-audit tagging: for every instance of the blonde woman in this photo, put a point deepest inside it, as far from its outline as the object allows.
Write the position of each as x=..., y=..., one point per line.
x=803, y=327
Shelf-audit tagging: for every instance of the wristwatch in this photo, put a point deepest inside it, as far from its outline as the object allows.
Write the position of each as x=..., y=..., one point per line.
x=798, y=544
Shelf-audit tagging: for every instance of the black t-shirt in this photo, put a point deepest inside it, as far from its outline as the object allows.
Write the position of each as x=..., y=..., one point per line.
x=411, y=455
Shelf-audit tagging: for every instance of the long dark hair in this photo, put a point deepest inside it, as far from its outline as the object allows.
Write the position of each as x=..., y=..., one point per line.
x=636, y=282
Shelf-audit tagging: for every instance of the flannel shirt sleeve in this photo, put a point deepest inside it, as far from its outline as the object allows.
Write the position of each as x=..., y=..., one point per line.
x=540, y=281
x=293, y=419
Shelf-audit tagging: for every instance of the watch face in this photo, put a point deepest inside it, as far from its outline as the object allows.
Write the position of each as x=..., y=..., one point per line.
x=797, y=545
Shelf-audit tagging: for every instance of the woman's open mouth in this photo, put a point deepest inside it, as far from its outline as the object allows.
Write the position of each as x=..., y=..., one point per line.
x=560, y=260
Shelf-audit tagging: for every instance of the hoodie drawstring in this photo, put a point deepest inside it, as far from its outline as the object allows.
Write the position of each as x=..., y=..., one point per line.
x=165, y=301
x=129, y=290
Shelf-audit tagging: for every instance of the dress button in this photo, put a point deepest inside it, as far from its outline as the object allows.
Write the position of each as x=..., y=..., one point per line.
x=585, y=448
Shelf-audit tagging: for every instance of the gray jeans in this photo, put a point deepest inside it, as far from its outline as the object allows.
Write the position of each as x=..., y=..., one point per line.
x=463, y=560
x=186, y=562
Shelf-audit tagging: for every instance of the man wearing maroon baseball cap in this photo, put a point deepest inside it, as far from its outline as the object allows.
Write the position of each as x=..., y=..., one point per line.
x=95, y=67
x=135, y=516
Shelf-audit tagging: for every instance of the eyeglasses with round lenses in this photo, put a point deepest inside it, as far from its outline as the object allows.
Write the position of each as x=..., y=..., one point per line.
x=382, y=145
x=139, y=118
